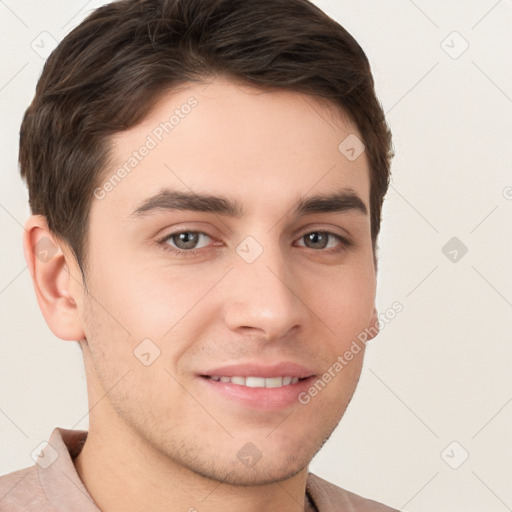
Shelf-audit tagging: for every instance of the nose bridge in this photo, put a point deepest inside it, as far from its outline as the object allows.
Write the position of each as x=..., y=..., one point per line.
x=260, y=293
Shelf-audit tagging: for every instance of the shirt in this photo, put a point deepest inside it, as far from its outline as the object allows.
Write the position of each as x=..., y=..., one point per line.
x=53, y=484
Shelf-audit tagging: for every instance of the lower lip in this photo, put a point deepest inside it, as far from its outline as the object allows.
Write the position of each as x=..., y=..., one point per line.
x=260, y=398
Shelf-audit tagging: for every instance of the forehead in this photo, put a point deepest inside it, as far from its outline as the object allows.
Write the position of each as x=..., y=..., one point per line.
x=260, y=146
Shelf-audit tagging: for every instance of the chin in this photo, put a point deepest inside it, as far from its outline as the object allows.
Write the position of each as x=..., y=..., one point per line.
x=260, y=474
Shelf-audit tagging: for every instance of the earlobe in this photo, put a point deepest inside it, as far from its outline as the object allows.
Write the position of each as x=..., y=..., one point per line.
x=49, y=268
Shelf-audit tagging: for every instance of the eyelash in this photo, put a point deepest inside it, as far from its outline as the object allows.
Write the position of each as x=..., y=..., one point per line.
x=345, y=244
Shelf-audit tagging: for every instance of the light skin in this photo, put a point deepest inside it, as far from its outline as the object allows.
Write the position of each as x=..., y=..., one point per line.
x=159, y=438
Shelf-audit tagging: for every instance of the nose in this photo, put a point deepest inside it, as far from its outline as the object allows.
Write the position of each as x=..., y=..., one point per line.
x=263, y=297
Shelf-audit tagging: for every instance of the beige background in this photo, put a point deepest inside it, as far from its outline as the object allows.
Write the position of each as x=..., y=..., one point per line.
x=440, y=371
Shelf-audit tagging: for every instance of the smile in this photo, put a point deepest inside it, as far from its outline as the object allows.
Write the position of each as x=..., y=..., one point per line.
x=257, y=382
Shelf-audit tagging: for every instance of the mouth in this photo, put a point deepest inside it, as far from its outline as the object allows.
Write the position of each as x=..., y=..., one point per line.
x=250, y=393
x=257, y=382
x=258, y=386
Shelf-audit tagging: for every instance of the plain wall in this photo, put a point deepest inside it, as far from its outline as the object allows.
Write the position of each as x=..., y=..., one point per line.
x=440, y=371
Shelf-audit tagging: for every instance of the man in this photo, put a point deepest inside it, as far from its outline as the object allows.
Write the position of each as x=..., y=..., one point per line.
x=206, y=180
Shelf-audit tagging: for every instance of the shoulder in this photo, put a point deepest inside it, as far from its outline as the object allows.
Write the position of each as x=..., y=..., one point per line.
x=21, y=490
x=328, y=496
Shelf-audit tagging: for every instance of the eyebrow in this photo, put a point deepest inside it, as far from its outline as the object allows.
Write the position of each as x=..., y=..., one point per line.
x=345, y=200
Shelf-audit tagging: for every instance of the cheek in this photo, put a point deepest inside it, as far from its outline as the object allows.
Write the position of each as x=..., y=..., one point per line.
x=345, y=303
x=118, y=343
x=155, y=310
x=149, y=301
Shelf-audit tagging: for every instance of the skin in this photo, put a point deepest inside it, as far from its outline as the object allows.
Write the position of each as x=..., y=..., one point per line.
x=153, y=426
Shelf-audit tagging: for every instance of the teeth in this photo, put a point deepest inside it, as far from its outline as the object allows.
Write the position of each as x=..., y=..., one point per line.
x=238, y=380
x=255, y=382
x=273, y=382
x=258, y=382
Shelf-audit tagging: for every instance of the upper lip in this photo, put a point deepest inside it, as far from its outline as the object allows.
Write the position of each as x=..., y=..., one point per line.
x=284, y=369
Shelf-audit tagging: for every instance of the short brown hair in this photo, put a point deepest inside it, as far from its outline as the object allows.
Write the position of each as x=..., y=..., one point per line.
x=107, y=73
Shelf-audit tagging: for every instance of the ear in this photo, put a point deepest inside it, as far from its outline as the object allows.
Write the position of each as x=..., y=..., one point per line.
x=374, y=326
x=49, y=263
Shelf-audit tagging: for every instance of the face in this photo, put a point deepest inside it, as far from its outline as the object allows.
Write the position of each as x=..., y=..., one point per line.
x=209, y=260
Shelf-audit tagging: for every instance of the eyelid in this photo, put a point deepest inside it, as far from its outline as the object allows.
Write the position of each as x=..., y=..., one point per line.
x=333, y=230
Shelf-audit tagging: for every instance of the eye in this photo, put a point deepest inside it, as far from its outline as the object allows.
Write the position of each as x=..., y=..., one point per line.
x=319, y=240
x=183, y=242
